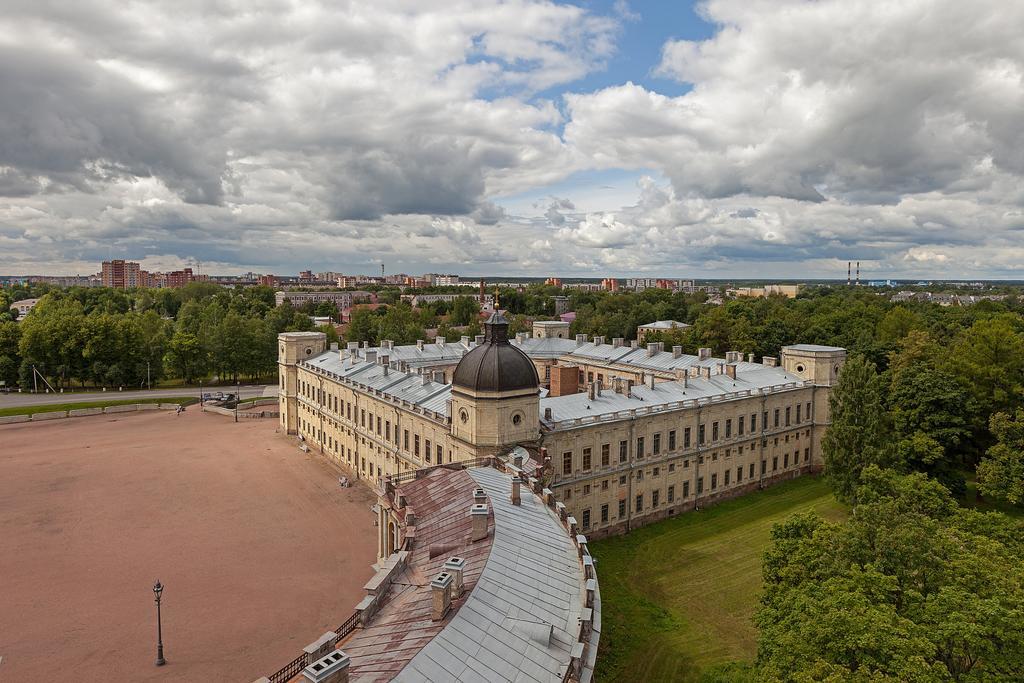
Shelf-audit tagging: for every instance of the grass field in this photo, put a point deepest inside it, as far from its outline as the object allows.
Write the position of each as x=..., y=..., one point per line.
x=678, y=596
x=53, y=407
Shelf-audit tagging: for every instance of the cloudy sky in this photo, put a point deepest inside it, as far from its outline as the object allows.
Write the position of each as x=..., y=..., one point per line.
x=757, y=138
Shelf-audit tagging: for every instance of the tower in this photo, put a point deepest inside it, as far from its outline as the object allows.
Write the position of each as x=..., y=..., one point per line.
x=495, y=393
x=293, y=347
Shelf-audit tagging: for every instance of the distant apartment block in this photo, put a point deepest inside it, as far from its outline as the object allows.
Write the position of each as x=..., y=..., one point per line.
x=658, y=326
x=341, y=300
x=610, y=284
x=768, y=290
x=120, y=274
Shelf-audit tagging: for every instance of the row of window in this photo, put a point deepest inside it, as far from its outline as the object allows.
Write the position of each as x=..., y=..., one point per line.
x=655, y=495
x=587, y=455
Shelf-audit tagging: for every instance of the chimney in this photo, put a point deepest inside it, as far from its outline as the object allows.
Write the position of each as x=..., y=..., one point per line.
x=440, y=596
x=366, y=344
x=597, y=388
x=424, y=378
x=352, y=346
x=440, y=341
x=703, y=353
x=706, y=372
x=547, y=414
x=591, y=390
x=750, y=358
x=634, y=343
x=387, y=369
x=681, y=376
x=479, y=495
x=383, y=359
x=721, y=368
x=627, y=390
x=371, y=355
x=598, y=341
x=617, y=342
x=677, y=351
x=456, y=566
x=331, y=668
x=334, y=346
x=730, y=370
x=419, y=344
x=581, y=339
x=516, y=483
x=650, y=381
x=478, y=515
x=479, y=339
x=770, y=361
x=439, y=376
x=464, y=340
x=652, y=348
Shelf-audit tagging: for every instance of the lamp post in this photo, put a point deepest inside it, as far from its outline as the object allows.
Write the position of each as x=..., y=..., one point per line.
x=157, y=590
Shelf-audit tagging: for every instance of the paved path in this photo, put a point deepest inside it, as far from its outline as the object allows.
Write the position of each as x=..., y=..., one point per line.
x=26, y=399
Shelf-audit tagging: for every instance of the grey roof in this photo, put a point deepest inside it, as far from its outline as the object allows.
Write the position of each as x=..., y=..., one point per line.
x=410, y=387
x=545, y=347
x=639, y=358
x=664, y=325
x=666, y=395
x=813, y=347
x=532, y=580
x=496, y=365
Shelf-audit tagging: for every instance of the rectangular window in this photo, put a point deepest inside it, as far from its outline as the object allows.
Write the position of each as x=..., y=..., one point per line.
x=700, y=485
x=686, y=463
x=606, y=449
x=604, y=485
x=639, y=475
x=700, y=435
x=440, y=454
x=753, y=422
x=639, y=447
x=590, y=377
x=775, y=463
x=378, y=425
x=671, y=467
x=714, y=482
x=671, y=494
x=739, y=474
x=798, y=407
x=639, y=502
x=714, y=431
x=622, y=508
x=655, y=495
x=807, y=455
x=426, y=449
x=808, y=410
x=787, y=415
x=567, y=462
x=686, y=489
x=623, y=447
x=751, y=470
x=672, y=440
x=657, y=471
x=586, y=458
x=622, y=480
x=776, y=423
x=728, y=429
x=764, y=467
x=604, y=513
x=586, y=489
x=739, y=425
x=657, y=444
x=686, y=437
x=387, y=430
x=416, y=445
x=405, y=440
x=785, y=460
x=727, y=473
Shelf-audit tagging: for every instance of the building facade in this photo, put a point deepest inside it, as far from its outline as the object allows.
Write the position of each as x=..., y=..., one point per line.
x=121, y=274
x=642, y=433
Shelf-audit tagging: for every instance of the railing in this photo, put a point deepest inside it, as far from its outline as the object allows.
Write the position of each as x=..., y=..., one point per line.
x=346, y=628
x=290, y=670
x=458, y=465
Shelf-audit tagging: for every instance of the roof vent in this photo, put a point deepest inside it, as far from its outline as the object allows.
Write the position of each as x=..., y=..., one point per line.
x=598, y=341
x=419, y=344
x=440, y=341
x=581, y=339
x=633, y=343
x=547, y=414
x=617, y=342
x=464, y=340
x=703, y=353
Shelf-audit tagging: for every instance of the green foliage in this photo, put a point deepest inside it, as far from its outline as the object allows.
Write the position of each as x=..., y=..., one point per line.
x=1001, y=472
x=910, y=588
x=855, y=438
x=463, y=310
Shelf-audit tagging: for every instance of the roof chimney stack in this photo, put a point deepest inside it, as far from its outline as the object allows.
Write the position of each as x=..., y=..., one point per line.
x=516, y=483
x=478, y=515
x=703, y=353
x=440, y=596
x=456, y=566
x=677, y=351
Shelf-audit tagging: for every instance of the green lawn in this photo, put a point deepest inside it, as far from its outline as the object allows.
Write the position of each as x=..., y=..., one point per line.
x=679, y=595
x=53, y=407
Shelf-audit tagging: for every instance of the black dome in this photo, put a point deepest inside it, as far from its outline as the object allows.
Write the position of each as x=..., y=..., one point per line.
x=496, y=365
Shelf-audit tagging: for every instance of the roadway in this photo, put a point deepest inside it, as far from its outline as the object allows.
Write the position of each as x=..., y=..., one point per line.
x=14, y=400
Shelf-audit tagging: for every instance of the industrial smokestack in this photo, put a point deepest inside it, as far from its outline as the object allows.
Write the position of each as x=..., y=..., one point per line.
x=849, y=272
x=858, y=273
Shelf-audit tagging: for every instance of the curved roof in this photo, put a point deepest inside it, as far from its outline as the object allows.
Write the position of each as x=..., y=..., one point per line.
x=495, y=365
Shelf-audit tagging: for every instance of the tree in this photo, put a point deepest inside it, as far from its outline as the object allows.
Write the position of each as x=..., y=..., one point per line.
x=399, y=324
x=855, y=437
x=1001, y=472
x=362, y=327
x=185, y=356
x=10, y=359
x=910, y=588
x=989, y=359
x=464, y=309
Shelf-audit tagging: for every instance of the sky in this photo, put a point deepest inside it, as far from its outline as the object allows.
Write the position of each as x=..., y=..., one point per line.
x=729, y=138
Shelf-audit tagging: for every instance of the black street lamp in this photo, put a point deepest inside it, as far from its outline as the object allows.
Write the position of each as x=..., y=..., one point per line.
x=157, y=590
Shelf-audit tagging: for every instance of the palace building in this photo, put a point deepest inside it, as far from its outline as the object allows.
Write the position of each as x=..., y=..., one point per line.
x=621, y=434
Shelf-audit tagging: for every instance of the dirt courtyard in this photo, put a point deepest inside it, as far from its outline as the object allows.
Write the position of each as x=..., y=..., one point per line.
x=259, y=549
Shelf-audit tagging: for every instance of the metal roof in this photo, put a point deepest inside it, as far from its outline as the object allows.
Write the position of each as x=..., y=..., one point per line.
x=664, y=325
x=529, y=587
x=665, y=395
x=813, y=347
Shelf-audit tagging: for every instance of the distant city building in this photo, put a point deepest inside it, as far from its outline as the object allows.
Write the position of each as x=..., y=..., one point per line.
x=561, y=304
x=120, y=274
x=348, y=281
x=554, y=281
x=641, y=283
x=24, y=306
x=417, y=300
x=341, y=300
x=306, y=275
x=584, y=286
x=768, y=290
x=267, y=280
x=443, y=280
x=659, y=326
x=610, y=284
